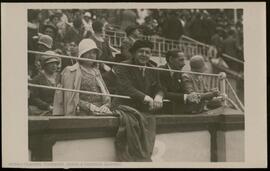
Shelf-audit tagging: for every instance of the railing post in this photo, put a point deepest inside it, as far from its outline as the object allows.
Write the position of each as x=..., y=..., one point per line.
x=159, y=52
x=222, y=78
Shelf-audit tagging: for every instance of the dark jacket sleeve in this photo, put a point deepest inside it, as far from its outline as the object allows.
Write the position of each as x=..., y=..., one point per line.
x=35, y=95
x=125, y=84
x=165, y=82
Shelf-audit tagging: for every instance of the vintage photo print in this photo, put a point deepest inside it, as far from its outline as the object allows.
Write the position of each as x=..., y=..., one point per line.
x=134, y=85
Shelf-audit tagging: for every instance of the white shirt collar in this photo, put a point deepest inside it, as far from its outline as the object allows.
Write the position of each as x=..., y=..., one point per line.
x=171, y=73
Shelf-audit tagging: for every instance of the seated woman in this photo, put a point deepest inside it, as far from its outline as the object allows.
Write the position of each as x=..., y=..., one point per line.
x=206, y=98
x=41, y=99
x=84, y=75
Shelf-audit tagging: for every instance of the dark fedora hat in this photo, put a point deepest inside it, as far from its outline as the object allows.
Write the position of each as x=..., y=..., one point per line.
x=141, y=44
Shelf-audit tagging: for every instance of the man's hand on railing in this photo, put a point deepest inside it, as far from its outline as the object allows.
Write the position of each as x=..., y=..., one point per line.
x=158, y=102
x=150, y=101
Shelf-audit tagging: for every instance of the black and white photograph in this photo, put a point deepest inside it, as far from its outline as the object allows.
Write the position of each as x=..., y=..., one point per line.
x=108, y=84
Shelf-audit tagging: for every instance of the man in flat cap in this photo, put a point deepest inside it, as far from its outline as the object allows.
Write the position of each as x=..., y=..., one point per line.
x=141, y=84
x=133, y=34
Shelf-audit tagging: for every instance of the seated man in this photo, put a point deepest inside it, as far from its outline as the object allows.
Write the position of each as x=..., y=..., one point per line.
x=141, y=84
x=207, y=98
x=174, y=84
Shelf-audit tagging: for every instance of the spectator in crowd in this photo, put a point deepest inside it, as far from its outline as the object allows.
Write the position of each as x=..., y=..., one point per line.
x=32, y=27
x=141, y=84
x=53, y=19
x=149, y=27
x=71, y=49
x=142, y=14
x=42, y=99
x=172, y=28
x=232, y=48
x=217, y=40
x=174, y=84
x=133, y=34
x=52, y=31
x=87, y=23
x=103, y=44
x=195, y=26
x=84, y=75
x=62, y=24
x=206, y=98
x=45, y=43
x=128, y=18
x=32, y=30
x=77, y=14
x=208, y=27
x=239, y=38
x=75, y=33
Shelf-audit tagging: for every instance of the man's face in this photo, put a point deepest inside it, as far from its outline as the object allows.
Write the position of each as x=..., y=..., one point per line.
x=51, y=67
x=49, y=31
x=178, y=62
x=55, y=20
x=142, y=55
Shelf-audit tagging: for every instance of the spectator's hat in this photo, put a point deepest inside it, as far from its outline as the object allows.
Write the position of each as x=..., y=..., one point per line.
x=87, y=14
x=49, y=57
x=45, y=40
x=141, y=44
x=86, y=45
x=130, y=29
x=197, y=63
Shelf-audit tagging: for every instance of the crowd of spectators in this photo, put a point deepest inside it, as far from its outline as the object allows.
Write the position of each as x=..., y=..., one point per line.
x=216, y=27
x=62, y=32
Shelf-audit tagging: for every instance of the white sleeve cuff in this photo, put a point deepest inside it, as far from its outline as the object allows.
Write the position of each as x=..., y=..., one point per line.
x=185, y=98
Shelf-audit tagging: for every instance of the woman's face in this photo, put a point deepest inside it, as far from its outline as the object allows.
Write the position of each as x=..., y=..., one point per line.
x=51, y=67
x=49, y=31
x=92, y=54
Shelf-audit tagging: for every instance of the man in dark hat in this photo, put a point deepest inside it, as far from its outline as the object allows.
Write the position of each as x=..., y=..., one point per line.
x=133, y=34
x=174, y=84
x=141, y=84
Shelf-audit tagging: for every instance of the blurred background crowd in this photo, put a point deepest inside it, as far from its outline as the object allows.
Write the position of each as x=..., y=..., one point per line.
x=221, y=28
